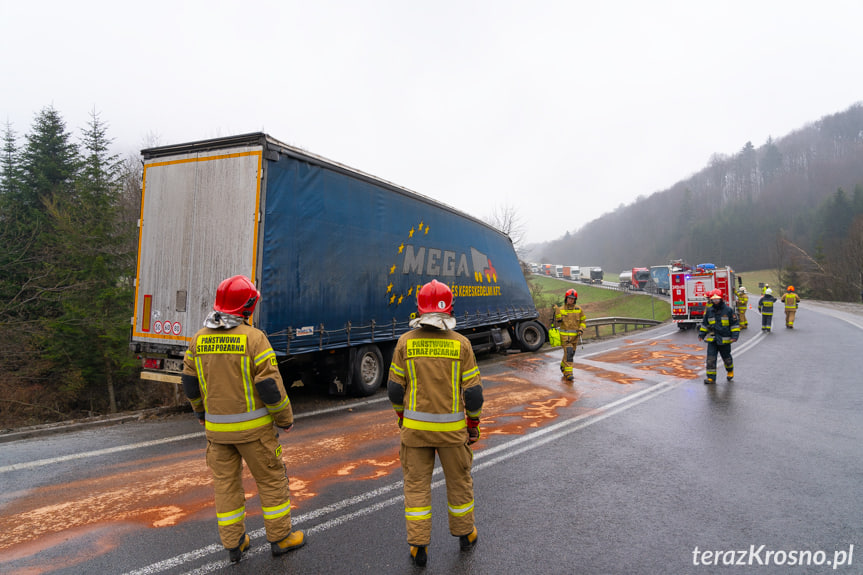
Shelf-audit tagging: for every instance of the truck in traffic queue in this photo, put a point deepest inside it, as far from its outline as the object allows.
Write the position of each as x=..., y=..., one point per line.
x=596, y=275
x=574, y=273
x=660, y=276
x=337, y=254
x=689, y=289
x=584, y=274
x=640, y=277
x=634, y=278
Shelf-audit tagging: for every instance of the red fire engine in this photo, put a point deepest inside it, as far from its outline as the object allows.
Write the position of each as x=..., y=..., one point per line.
x=689, y=291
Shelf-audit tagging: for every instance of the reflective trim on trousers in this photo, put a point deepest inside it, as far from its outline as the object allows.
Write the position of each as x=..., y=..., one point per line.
x=278, y=511
x=418, y=513
x=460, y=510
x=231, y=517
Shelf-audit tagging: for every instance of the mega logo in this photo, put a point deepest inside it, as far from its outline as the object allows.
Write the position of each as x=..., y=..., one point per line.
x=467, y=273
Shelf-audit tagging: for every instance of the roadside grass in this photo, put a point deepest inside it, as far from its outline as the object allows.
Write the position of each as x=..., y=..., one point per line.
x=596, y=302
x=751, y=279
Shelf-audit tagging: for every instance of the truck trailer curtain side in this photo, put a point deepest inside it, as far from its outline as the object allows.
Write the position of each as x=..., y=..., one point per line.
x=338, y=256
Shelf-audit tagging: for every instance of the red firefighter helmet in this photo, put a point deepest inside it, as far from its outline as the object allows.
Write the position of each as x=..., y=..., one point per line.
x=434, y=297
x=717, y=293
x=790, y=288
x=571, y=293
x=237, y=296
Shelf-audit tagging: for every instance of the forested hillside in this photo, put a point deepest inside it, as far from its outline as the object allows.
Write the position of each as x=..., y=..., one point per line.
x=68, y=236
x=795, y=203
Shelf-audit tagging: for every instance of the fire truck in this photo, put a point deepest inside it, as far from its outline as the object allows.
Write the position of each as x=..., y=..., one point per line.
x=689, y=291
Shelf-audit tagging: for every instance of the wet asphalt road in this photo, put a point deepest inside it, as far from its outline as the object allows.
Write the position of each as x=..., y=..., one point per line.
x=636, y=468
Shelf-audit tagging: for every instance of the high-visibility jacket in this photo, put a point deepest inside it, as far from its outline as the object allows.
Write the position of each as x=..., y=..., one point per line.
x=742, y=300
x=571, y=319
x=790, y=300
x=765, y=304
x=241, y=391
x=720, y=324
x=434, y=367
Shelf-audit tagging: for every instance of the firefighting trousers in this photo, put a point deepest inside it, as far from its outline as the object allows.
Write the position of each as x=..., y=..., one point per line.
x=714, y=349
x=264, y=459
x=568, y=344
x=417, y=466
x=789, y=316
x=741, y=313
x=766, y=321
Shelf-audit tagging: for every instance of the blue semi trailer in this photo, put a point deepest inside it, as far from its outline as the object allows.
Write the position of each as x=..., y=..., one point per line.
x=337, y=254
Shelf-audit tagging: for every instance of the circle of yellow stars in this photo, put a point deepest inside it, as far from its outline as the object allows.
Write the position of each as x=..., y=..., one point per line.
x=398, y=298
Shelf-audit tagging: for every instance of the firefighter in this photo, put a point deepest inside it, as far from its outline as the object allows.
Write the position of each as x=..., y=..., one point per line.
x=436, y=391
x=765, y=308
x=790, y=299
x=231, y=378
x=572, y=323
x=742, y=305
x=720, y=329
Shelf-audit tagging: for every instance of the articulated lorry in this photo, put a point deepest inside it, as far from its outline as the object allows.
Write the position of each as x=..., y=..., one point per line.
x=337, y=254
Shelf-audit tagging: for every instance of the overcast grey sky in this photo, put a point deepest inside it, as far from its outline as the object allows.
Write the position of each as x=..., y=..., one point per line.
x=562, y=110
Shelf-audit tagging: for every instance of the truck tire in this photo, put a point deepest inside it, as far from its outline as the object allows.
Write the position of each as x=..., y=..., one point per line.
x=368, y=371
x=531, y=335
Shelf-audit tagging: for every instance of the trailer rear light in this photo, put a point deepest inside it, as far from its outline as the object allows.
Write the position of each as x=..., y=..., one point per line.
x=152, y=363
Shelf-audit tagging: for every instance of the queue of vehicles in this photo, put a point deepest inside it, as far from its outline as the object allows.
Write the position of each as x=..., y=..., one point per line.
x=585, y=274
x=687, y=285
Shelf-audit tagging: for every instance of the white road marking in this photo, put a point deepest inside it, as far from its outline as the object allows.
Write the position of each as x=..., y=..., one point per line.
x=497, y=454
x=143, y=444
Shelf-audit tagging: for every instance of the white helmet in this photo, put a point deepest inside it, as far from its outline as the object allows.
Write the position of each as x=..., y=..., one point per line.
x=768, y=291
x=742, y=289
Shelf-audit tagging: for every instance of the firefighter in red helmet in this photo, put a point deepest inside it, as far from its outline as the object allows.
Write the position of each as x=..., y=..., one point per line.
x=791, y=301
x=720, y=328
x=572, y=323
x=436, y=391
x=231, y=378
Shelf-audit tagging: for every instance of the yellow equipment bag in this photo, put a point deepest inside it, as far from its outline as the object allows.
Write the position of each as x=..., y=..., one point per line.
x=554, y=337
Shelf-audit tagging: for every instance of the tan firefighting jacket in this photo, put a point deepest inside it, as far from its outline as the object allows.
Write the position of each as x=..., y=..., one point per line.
x=790, y=300
x=233, y=368
x=570, y=319
x=435, y=367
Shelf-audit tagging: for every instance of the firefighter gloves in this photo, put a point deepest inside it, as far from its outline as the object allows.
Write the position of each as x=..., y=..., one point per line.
x=473, y=431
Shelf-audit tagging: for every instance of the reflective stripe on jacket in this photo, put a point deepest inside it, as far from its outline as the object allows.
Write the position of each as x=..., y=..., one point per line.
x=765, y=304
x=229, y=365
x=720, y=324
x=435, y=367
x=790, y=300
x=571, y=320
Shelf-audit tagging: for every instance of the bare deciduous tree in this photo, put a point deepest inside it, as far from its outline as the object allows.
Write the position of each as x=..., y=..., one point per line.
x=505, y=218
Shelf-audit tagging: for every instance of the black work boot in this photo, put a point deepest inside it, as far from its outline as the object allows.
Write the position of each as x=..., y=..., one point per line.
x=236, y=553
x=709, y=380
x=419, y=555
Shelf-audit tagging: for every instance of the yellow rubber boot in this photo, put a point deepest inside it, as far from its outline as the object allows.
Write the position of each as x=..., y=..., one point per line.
x=419, y=555
x=293, y=541
x=237, y=552
x=469, y=540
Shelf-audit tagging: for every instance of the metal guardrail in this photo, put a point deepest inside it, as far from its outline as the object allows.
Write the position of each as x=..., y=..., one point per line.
x=626, y=322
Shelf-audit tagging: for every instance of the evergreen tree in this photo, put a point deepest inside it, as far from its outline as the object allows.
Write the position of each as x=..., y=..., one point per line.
x=90, y=336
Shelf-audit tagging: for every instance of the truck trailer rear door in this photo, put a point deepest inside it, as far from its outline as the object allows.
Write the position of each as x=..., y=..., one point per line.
x=199, y=225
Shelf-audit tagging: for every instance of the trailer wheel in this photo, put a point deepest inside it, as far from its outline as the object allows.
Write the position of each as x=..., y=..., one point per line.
x=368, y=371
x=531, y=335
